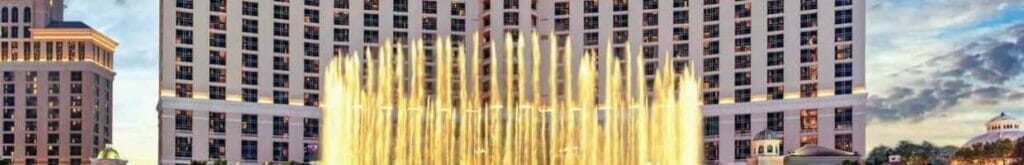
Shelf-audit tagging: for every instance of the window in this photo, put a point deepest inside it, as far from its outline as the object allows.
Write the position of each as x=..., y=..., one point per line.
x=808, y=140
x=844, y=34
x=680, y=33
x=281, y=80
x=650, y=19
x=183, y=120
x=776, y=76
x=775, y=6
x=561, y=24
x=249, y=150
x=311, y=32
x=809, y=20
x=742, y=149
x=218, y=23
x=844, y=87
x=711, y=151
x=249, y=124
x=280, y=46
x=844, y=51
x=776, y=121
x=250, y=60
x=808, y=4
x=218, y=40
x=776, y=58
x=311, y=128
x=311, y=99
x=743, y=27
x=808, y=38
x=459, y=8
x=680, y=3
x=710, y=81
x=711, y=14
x=311, y=49
x=183, y=36
x=742, y=95
x=218, y=122
x=430, y=23
x=183, y=73
x=280, y=97
x=218, y=58
x=181, y=54
x=250, y=26
x=252, y=9
x=218, y=149
x=844, y=142
x=742, y=78
x=281, y=12
x=590, y=6
x=620, y=36
x=808, y=55
x=844, y=16
x=710, y=47
x=459, y=25
x=650, y=4
x=312, y=83
x=250, y=78
x=710, y=31
x=370, y=36
x=742, y=126
x=182, y=147
x=280, y=151
x=844, y=118
x=776, y=93
x=250, y=43
x=620, y=5
x=680, y=17
x=809, y=120
x=844, y=70
x=183, y=19
x=185, y=4
x=218, y=6
x=742, y=61
x=844, y=2
x=743, y=10
x=312, y=3
x=341, y=35
x=620, y=21
x=248, y=95
x=710, y=64
x=280, y=126
x=711, y=98
x=590, y=39
x=341, y=18
x=217, y=92
x=562, y=8
x=430, y=7
x=775, y=24
x=650, y=35
x=711, y=127
x=776, y=41
x=742, y=44
x=680, y=50
x=809, y=72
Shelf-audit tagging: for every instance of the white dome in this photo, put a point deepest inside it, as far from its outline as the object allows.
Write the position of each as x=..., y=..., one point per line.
x=999, y=128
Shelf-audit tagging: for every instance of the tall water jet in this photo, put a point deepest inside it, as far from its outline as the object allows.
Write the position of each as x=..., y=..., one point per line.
x=377, y=111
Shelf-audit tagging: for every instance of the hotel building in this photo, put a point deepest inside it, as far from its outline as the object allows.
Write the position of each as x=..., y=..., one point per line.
x=240, y=79
x=56, y=78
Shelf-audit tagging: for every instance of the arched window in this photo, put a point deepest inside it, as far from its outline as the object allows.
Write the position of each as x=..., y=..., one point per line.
x=760, y=149
x=14, y=14
x=3, y=15
x=28, y=14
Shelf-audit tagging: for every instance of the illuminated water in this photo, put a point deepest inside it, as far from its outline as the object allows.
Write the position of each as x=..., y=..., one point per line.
x=390, y=119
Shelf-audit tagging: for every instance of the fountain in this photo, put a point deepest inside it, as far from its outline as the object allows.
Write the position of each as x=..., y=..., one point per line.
x=377, y=111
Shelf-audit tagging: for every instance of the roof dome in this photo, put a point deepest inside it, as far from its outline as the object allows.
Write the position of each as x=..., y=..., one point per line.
x=1002, y=117
x=999, y=128
x=108, y=153
x=767, y=135
x=813, y=150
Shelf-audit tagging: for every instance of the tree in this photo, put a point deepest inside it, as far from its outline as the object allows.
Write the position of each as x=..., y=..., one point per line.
x=911, y=153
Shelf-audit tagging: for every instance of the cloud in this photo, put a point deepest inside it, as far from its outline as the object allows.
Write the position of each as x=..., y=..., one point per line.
x=979, y=73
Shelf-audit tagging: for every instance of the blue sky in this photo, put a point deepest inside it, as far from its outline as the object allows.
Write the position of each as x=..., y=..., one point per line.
x=937, y=69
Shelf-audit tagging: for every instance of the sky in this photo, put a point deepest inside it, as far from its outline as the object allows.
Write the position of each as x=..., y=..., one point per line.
x=936, y=69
